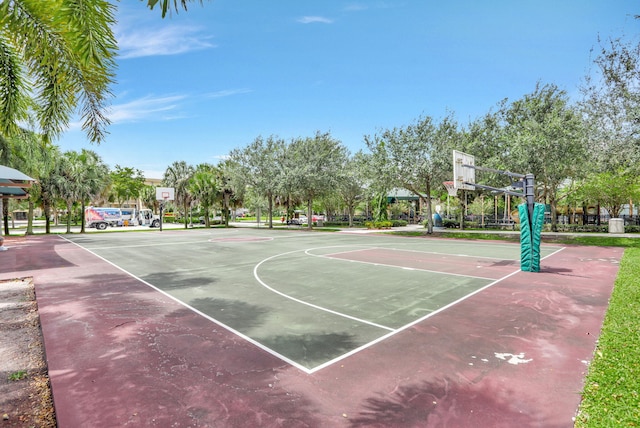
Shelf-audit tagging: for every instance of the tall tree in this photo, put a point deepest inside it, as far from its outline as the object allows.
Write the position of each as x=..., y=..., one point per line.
x=256, y=165
x=178, y=175
x=610, y=190
x=148, y=196
x=47, y=180
x=228, y=186
x=316, y=167
x=547, y=139
x=204, y=188
x=78, y=177
x=94, y=178
x=351, y=186
x=417, y=156
x=611, y=106
x=126, y=183
x=55, y=55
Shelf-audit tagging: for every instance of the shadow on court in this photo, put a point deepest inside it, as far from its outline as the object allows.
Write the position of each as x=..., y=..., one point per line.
x=121, y=353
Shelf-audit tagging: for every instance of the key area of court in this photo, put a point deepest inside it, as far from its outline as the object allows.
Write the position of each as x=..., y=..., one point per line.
x=245, y=327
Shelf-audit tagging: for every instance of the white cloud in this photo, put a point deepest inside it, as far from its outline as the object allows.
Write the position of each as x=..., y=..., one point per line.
x=314, y=19
x=166, y=40
x=228, y=93
x=356, y=7
x=158, y=108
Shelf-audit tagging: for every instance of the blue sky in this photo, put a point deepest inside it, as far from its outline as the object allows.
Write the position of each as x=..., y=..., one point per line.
x=200, y=83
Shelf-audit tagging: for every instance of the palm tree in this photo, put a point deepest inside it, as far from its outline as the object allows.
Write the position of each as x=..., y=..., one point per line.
x=79, y=177
x=178, y=176
x=148, y=196
x=165, y=5
x=47, y=179
x=204, y=188
x=67, y=184
x=56, y=56
x=227, y=188
x=93, y=179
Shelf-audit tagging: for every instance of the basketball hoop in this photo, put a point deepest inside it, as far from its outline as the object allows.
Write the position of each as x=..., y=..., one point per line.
x=451, y=189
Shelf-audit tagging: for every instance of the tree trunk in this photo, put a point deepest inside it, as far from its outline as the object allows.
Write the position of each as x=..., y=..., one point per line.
x=30, y=219
x=309, y=213
x=186, y=218
x=351, y=210
x=83, y=207
x=270, y=196
x=5, y=215
x=47, y=215
x=554, y=216
x=227, y=213
x=207, y=224
x=69, y=208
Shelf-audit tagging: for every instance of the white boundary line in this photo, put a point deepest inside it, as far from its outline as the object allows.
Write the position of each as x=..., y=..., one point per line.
x=391, y=333
x=411, y=324
x=324, y=256
x=286, y=296
x=156, y=244
x=226, y=327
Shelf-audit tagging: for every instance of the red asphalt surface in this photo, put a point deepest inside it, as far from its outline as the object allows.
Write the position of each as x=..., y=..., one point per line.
x=122, y=354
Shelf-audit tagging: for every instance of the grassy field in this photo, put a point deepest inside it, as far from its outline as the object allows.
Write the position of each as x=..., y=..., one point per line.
x=611, y=396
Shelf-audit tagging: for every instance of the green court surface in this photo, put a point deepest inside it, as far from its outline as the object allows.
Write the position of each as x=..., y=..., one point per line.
x=309, y=298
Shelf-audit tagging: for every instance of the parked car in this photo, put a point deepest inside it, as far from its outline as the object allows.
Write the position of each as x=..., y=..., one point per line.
x=299, y=221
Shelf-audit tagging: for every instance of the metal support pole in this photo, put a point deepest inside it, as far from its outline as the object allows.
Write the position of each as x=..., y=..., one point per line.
x=529, y=193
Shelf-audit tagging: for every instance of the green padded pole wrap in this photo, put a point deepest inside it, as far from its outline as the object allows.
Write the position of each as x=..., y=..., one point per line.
x=537, y=222
x=530, y=237
x=526, y=254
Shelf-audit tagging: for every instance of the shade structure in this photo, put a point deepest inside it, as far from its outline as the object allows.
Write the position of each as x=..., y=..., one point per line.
x=13, y=183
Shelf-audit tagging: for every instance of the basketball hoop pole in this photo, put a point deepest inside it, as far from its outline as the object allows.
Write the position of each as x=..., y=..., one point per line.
x=531, y=213
x=529, y=193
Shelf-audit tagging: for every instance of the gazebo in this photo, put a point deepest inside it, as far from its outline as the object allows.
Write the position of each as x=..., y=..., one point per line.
x=13, y=184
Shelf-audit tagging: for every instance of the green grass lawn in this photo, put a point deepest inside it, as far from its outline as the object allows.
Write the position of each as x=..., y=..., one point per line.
x=611, y=396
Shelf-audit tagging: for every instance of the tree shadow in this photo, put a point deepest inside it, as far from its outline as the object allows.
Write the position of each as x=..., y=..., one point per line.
x=236, y=314
x=168, y=281
x=312, y=349
x=31, y=254
x=444, y=402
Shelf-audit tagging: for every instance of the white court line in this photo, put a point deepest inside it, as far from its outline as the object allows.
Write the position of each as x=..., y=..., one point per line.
x=328, y=257
x=406, y=326
x=216, y=237
x=449, y=254
x=284, y=358
x=286, y=296
x=156, y=244
x=226, y=327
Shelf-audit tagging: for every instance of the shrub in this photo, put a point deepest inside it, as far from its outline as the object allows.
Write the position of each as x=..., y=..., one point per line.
x=450, y=224
x=385, y=224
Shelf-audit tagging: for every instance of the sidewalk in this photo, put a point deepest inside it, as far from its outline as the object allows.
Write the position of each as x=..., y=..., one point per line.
x=20, y=229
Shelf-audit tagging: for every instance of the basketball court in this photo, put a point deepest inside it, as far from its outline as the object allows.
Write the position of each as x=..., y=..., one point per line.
x=250, y=327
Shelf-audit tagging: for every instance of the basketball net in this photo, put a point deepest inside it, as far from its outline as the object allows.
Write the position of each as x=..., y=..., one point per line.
x=451, y=190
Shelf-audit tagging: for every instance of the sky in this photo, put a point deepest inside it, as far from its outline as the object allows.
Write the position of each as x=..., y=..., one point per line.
x=198, y=84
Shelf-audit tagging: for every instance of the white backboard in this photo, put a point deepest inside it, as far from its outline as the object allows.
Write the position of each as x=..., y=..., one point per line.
x=165, y=193
x=463, y=174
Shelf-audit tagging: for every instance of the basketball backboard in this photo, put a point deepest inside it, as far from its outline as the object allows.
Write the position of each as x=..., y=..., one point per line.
x=462, y=174
x=165, y=193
